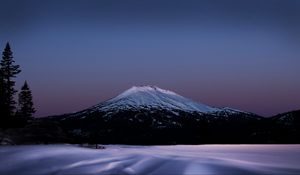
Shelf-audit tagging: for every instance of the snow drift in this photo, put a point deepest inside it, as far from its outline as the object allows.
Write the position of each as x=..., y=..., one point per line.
x=193, y=159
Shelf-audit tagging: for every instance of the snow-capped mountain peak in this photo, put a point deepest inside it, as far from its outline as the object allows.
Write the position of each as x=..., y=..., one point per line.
x=143, y=89
x=152, y=97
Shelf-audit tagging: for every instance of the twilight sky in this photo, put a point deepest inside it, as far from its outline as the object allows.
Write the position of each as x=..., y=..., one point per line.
x=77, y=53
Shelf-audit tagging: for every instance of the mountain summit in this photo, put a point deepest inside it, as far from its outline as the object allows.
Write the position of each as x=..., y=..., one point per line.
x=152, y=97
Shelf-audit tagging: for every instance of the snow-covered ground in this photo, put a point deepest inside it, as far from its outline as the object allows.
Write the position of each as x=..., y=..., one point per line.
x=122, y=159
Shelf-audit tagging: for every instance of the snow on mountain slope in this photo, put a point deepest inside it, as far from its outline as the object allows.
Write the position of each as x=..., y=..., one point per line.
x=149, y=97
x=234, y=111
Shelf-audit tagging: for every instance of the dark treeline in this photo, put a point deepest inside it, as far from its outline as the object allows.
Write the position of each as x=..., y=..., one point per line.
x=157, y=127
x=14, y=114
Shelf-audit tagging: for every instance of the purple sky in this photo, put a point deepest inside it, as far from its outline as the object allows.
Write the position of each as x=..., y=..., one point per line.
x=74, y=54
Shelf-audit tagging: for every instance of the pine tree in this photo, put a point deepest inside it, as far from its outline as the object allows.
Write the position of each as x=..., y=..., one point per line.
x=26, y=108
x=8, y=72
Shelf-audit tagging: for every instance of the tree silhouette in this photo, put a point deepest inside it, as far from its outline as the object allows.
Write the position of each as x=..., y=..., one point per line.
x=26, y=108
x=8, y=72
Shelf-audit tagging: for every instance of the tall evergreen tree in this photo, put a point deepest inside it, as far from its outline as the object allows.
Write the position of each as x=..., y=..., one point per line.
x=26, y=108
x=8, y=72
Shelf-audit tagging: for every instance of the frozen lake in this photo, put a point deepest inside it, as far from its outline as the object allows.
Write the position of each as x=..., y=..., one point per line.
x=122, y=159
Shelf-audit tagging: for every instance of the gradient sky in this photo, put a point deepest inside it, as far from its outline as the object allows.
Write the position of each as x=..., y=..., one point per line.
x=77, y=53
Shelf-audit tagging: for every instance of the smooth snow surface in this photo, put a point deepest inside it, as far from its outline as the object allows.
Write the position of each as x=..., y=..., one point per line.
x=192, y=159
x=147, y=97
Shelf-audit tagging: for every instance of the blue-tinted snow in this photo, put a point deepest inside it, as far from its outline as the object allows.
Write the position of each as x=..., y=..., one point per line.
x=115, y=159
x=153, y=97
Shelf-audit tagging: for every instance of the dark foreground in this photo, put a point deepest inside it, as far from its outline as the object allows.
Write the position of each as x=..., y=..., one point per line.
x=116, y=159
